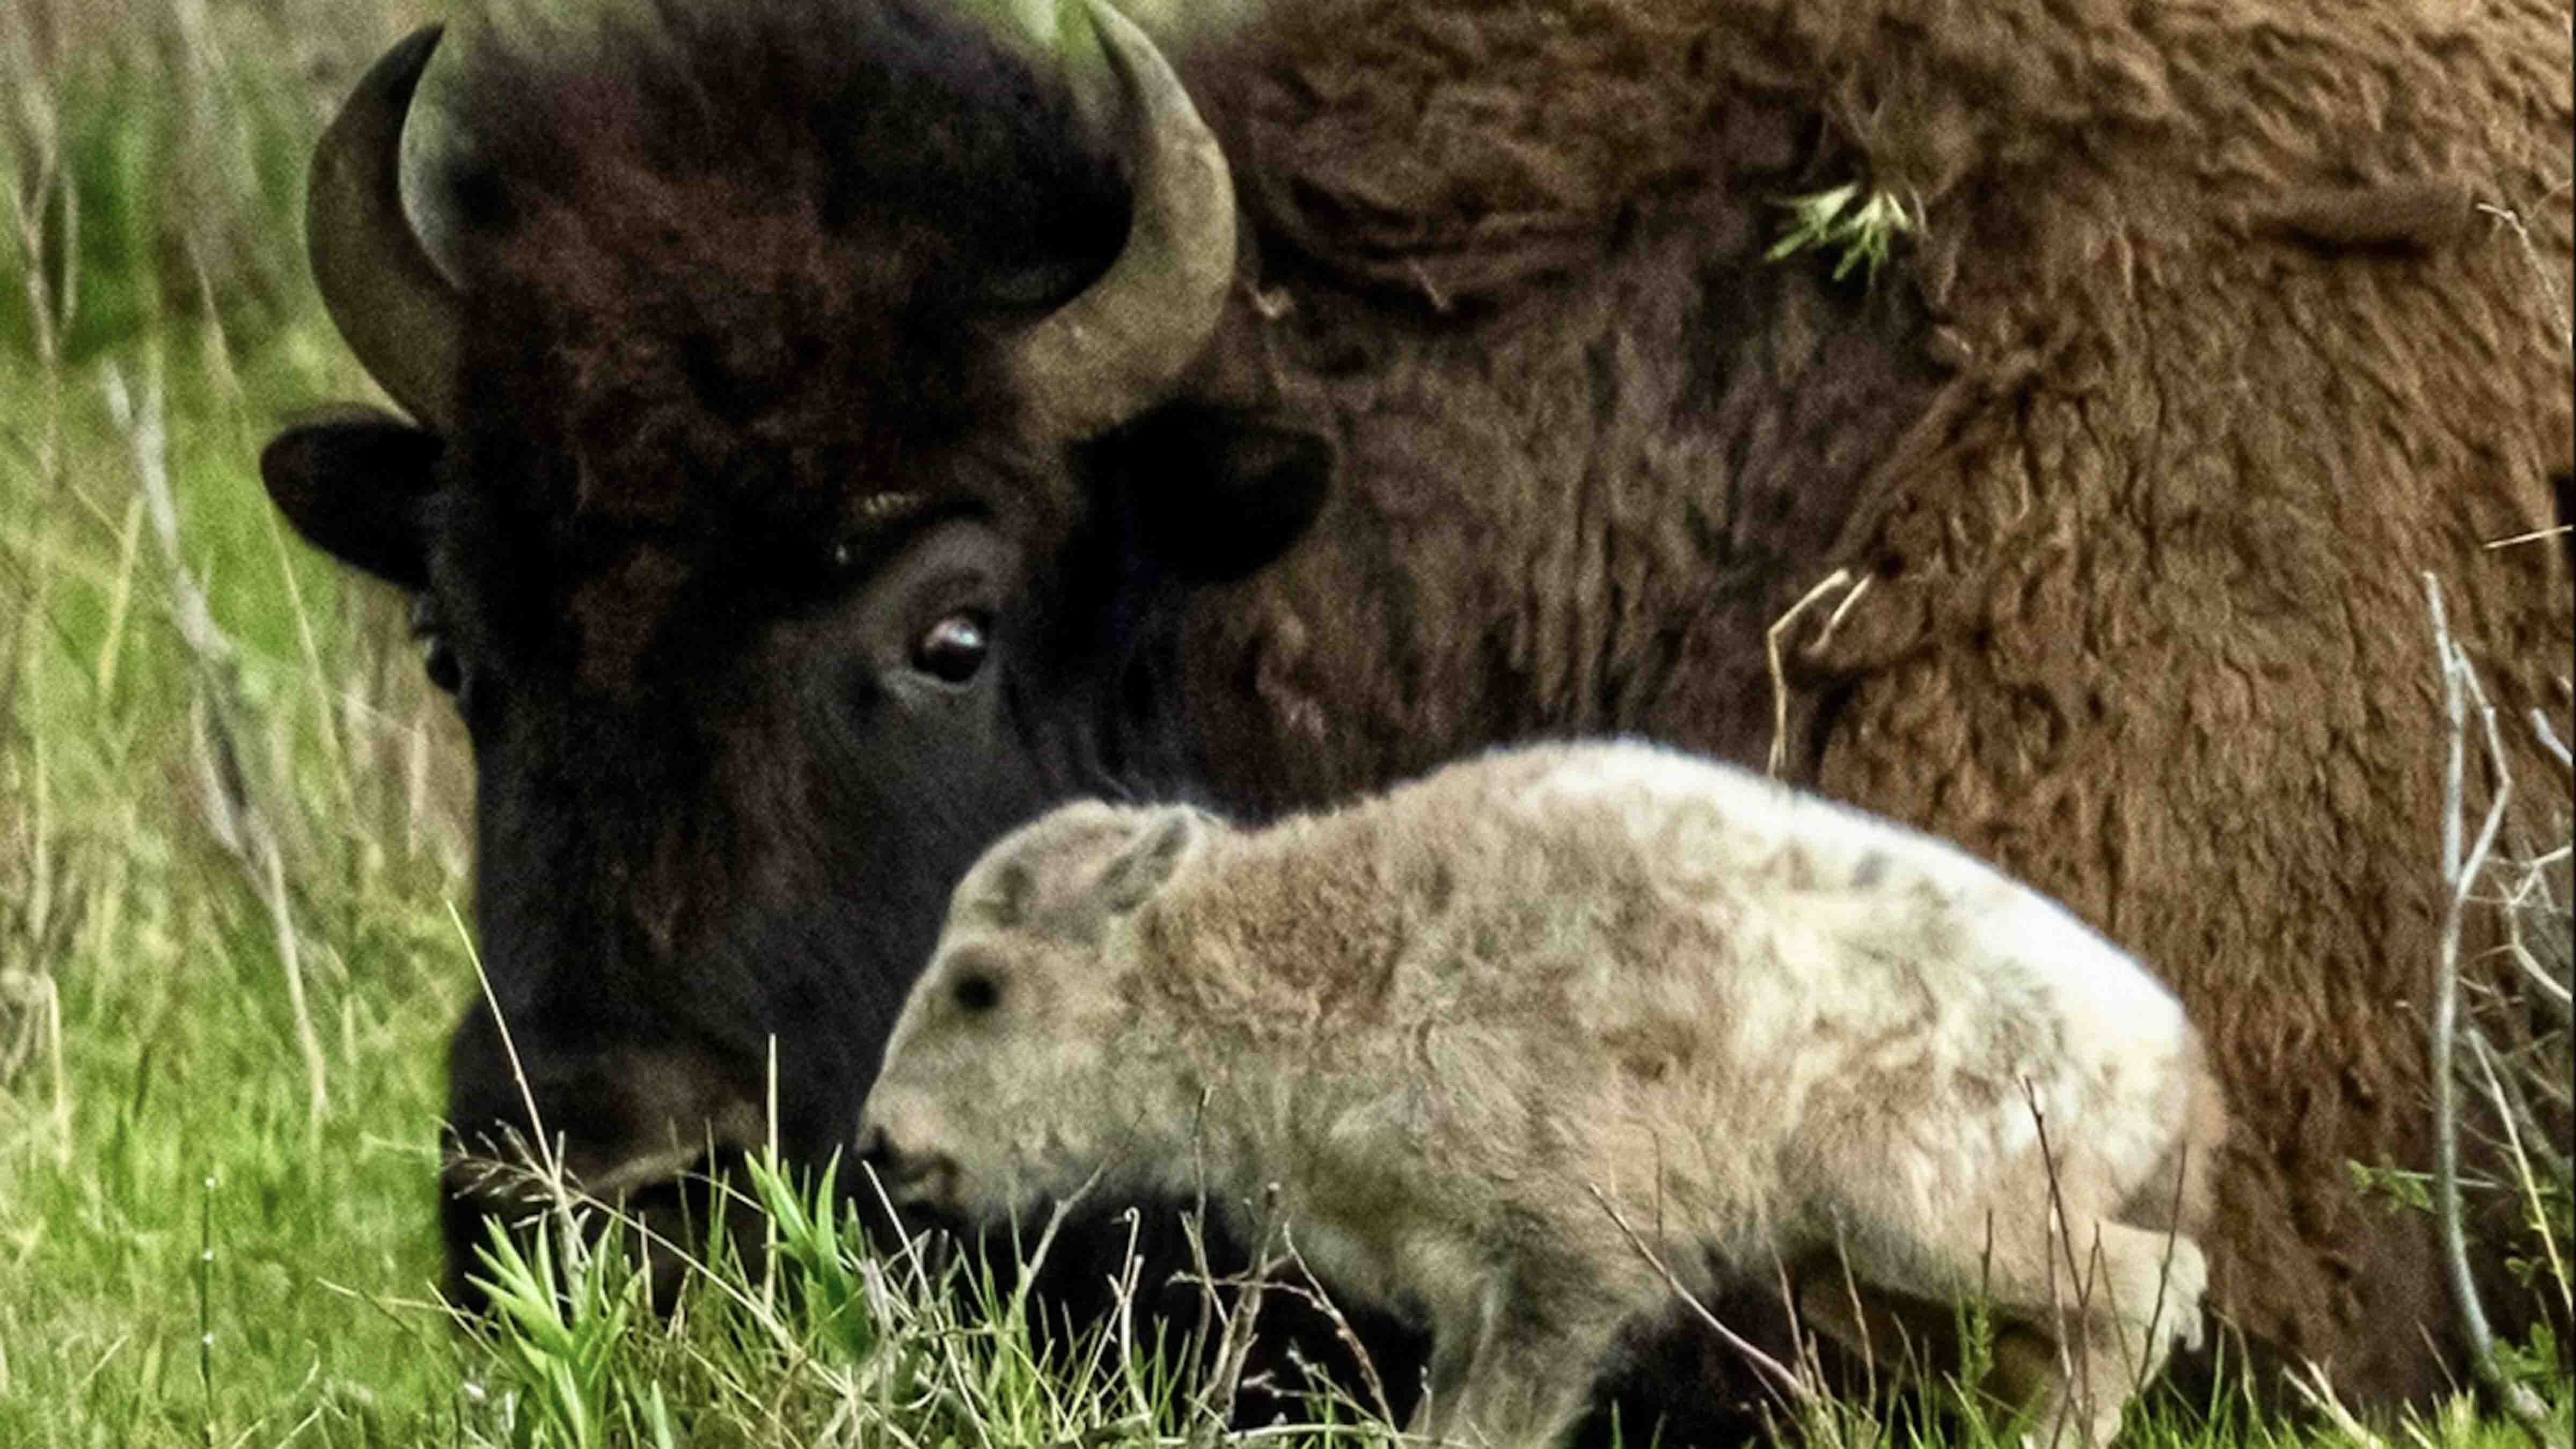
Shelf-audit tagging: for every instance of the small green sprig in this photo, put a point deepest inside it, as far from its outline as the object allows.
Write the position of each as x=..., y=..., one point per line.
x=1858, y=228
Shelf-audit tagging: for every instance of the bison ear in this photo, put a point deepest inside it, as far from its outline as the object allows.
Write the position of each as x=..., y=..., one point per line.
x=1217, y=492
x=1149, y=859
x=352, y=481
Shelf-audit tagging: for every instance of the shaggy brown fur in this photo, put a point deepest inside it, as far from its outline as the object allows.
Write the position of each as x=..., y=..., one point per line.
x=2142, y=449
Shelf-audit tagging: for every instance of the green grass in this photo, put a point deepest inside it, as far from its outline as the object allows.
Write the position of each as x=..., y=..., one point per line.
x=155, y=1094
x=216, y=1155
x=189, y=1254
x=1856, y=230
x=155, y=1103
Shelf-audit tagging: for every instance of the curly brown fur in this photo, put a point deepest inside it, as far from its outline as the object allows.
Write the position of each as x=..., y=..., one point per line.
x=2142, y=494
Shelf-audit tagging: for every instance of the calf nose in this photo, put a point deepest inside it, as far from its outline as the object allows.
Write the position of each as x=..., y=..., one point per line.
x=906, y=1177
x=893, y=1168
x=875, y=1148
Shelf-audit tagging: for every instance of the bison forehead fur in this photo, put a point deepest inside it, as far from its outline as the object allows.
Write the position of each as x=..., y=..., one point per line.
x=1434, y=1024
x=740, y=327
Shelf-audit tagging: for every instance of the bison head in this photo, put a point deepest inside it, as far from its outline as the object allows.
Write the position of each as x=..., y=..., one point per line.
x=797, y=495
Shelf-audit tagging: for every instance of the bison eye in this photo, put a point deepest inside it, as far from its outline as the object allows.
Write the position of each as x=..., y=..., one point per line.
x=436, y=659
x=951, y=650
x=977, y=992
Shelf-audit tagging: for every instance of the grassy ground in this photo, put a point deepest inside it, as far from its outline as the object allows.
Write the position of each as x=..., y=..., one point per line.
x=194, y=1242
x=231, y=839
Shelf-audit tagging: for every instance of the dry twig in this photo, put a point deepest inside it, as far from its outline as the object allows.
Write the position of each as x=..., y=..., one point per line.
x=2460, y=872
x=2074, y=1360
x=1342, y=1329
x=1792, y=1389
x=1771, y=637
x=1215, y=1397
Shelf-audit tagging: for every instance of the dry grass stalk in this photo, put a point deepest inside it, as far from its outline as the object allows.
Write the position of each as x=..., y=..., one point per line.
x=1332, y=1311
x=549, y=1163
x=1213, y=1402
x=2074, y=1361
x=2461, y=869
x=2513, y=1112
x=2309, y=1382
x=2511, y=220
x=1771, y=650
x=1792, y=1390
x=31, y=1008
x=241, y=824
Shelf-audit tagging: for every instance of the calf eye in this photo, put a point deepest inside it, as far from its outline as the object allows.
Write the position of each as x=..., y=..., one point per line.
x=951, y=650
x=977, y=992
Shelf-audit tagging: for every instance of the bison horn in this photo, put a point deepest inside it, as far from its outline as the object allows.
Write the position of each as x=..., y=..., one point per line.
x=394, y=307
x=1116, y=349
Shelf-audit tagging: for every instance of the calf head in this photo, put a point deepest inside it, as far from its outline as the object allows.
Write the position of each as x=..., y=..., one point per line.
x=1017, y=1070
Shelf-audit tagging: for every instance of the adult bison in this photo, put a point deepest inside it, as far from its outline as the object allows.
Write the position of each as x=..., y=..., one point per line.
x=835, y=436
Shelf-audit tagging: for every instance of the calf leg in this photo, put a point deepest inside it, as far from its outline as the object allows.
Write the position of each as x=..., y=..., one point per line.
x=1890, y=1333
x=1898, y=1335
x=2090, y=1312
x=1524, y=1360
x=1458, y=1340
x=2098, y=1338
x=1527, y=1387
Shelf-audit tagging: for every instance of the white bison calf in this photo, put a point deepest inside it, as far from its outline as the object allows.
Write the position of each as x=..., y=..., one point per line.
x=1454, y=1026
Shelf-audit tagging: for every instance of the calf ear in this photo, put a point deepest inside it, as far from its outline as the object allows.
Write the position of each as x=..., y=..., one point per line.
x=1218, y=493
x=352, y=481
x=1149, y=859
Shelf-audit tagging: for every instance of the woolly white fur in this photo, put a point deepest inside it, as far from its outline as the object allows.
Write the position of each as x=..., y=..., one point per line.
x=1774, y=1034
